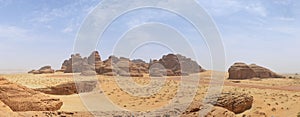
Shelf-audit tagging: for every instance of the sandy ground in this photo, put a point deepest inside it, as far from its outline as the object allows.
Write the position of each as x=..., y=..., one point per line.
x=272, y=97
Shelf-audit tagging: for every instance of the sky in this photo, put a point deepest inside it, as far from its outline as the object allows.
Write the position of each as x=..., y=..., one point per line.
x=34, y=33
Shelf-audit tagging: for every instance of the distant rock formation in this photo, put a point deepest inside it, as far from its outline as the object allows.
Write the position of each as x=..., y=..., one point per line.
x=43, y=70
x=244, y=71
x=20, y=98
x=76, y=64
x=174, y=65
x=123, y=67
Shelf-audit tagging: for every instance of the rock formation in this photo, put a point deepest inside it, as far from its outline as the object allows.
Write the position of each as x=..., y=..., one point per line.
x=20, y=98
x=43, y=70
x=173, y=65
x=240, y=71
x=262, y=72
x=69, y=88
x=234, y=102
x=244, y=71
x=214, y=111
x=123, y=67
x=176, y=65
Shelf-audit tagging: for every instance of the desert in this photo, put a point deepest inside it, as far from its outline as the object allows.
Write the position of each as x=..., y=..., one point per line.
x=244, y=92
x=149, y=58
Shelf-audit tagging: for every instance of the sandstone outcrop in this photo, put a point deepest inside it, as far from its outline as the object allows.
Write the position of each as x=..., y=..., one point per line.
x=240, y=71
x=195, y=108
x=262, y=72
x=234, y=102
x=123, y=67
x=69, y=88
x=20, y=98
x=176, y=65
x=173, y=65
x=244, y=71
x=43, y=70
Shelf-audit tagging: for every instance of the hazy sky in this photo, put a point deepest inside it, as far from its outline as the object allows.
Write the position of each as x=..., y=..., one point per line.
x=34, y=33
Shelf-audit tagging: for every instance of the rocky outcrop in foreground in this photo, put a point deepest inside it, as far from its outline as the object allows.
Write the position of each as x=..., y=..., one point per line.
x=195, y=108
x=43, y=70
x=244, y=71
x=234, y=102
x=20, y=98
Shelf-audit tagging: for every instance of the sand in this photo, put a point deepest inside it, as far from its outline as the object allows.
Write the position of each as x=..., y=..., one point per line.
x=272, y=96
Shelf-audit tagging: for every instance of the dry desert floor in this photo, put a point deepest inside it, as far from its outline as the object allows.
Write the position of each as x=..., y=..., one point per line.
x=273, y=97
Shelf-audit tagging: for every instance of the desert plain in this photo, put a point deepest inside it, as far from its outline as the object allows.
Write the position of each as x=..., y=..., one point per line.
x=272, y=97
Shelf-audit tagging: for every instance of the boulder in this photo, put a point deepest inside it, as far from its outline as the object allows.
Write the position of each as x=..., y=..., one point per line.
x=219, y=112
x=234, y=102
x=20, y=98
x=213, y=111
x=244, y=71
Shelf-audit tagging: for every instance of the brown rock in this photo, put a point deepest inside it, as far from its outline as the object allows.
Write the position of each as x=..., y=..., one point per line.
x=234, y=102
x=155, y=71
x=110, y=74
x=177, y=63
x=46, y=71
x=43, y=70
x=20, y=98
x=262, y=72
x=88, y=73
x=69, y=88
x=220, y=112
x=195, y=107
x=243, y=71
x=240, y=71
x=36, y=72
x=60, y=70
x=94, y=57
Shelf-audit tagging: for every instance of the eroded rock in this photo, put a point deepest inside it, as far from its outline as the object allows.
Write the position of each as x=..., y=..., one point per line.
x=20, y=98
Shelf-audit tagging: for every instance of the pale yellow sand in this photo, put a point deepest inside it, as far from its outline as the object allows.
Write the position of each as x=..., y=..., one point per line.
x=272, y=97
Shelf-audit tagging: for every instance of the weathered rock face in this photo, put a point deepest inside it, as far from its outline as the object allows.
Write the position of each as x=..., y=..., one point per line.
x=175, y=65
x=43, y=70
x=88, y=73
x=123, y=67
x=20, y=98
x=244, y=71
x=240, y=71
x=262, y=72
x=69, y=88
x=77, y=64
x=195, y=107
x=234, y=102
